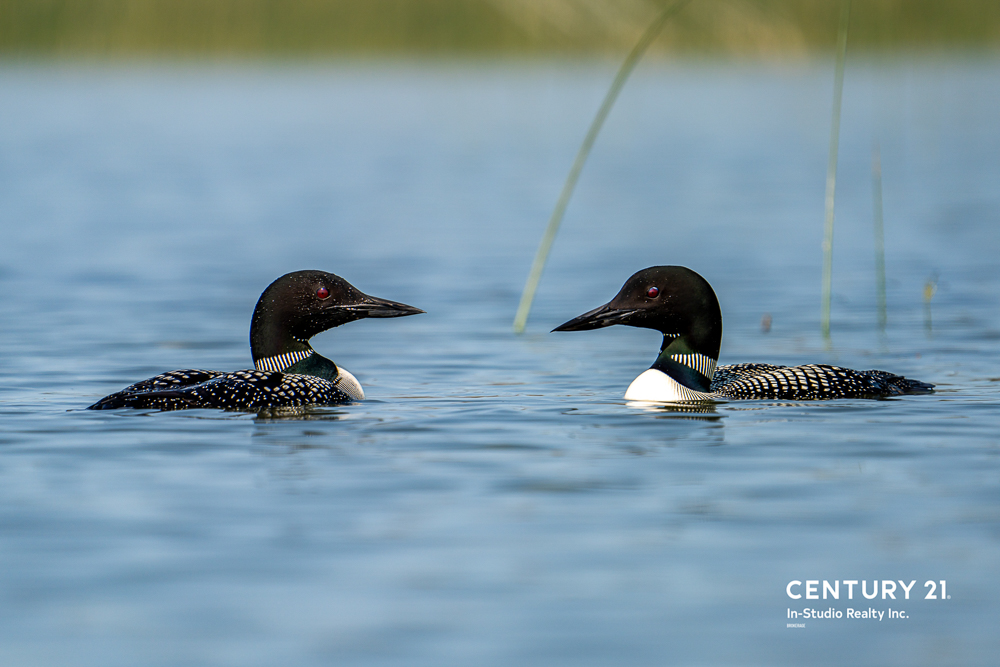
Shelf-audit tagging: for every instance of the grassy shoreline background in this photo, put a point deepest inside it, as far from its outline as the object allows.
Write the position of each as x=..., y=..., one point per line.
x=255, y=28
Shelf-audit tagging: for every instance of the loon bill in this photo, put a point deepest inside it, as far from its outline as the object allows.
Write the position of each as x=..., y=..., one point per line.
x=682, y=306
x=288, y=372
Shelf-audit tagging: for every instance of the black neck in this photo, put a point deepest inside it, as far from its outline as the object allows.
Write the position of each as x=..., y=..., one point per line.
x=271, y=343
x=277, y=323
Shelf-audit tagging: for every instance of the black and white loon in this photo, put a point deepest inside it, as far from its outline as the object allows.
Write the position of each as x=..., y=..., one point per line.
x=682, y=306
x=289, y=373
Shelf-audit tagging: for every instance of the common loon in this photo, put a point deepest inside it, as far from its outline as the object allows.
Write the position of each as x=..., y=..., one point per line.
x=288, y=373
x=681, y=305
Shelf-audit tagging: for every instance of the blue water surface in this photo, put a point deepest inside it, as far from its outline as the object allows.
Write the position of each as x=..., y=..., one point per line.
x=495, y=501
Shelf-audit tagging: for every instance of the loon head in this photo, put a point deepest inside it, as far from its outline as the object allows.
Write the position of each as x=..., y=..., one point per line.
x=299, y=305
x=678, y=303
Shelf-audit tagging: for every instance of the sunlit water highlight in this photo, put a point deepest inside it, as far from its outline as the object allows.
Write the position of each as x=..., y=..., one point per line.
x=496, y=502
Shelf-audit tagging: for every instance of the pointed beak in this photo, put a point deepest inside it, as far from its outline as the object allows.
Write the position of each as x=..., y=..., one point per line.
x=597, y=318
x=372, y=306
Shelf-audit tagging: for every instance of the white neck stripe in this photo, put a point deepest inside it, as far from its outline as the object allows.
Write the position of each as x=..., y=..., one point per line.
x=282, y=361
x=699, y=362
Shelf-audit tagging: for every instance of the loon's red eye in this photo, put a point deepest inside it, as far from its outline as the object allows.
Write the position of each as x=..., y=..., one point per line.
x=323, y=292
x=653, y=292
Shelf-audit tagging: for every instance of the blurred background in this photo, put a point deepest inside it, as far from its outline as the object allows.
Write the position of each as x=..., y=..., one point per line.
x=316, y=28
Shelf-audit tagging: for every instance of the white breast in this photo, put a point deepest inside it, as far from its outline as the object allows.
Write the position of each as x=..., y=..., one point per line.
x=349, y=384
x=658, y=387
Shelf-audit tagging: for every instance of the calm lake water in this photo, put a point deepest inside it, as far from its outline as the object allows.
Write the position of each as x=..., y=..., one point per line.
x=495, y=502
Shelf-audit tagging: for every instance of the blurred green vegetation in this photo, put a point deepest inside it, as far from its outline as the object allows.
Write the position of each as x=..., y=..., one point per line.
x=254, y=28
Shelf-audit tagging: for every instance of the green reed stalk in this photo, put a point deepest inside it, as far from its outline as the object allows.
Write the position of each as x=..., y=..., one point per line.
x=879, y=236
x=535, y=275
x=831, y=165
x=930, y=287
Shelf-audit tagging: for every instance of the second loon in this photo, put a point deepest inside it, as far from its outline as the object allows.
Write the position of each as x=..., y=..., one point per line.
x=288, y=372
x=681, y=305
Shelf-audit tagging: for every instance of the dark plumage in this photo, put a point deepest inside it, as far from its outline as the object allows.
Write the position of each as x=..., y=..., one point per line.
x=812, y=381
x=293, y=309
x=682, y=306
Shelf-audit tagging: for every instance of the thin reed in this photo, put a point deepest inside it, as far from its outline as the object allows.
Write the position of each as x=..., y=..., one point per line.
x=549, y=237
x=831, y=166
x=879, y=237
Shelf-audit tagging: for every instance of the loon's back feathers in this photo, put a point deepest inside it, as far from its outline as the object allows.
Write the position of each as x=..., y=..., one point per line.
x=809, y=382
x=289, y=373
x=682, y=306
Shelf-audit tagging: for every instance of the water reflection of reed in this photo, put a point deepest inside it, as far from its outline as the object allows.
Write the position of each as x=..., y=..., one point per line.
x=257, y=27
